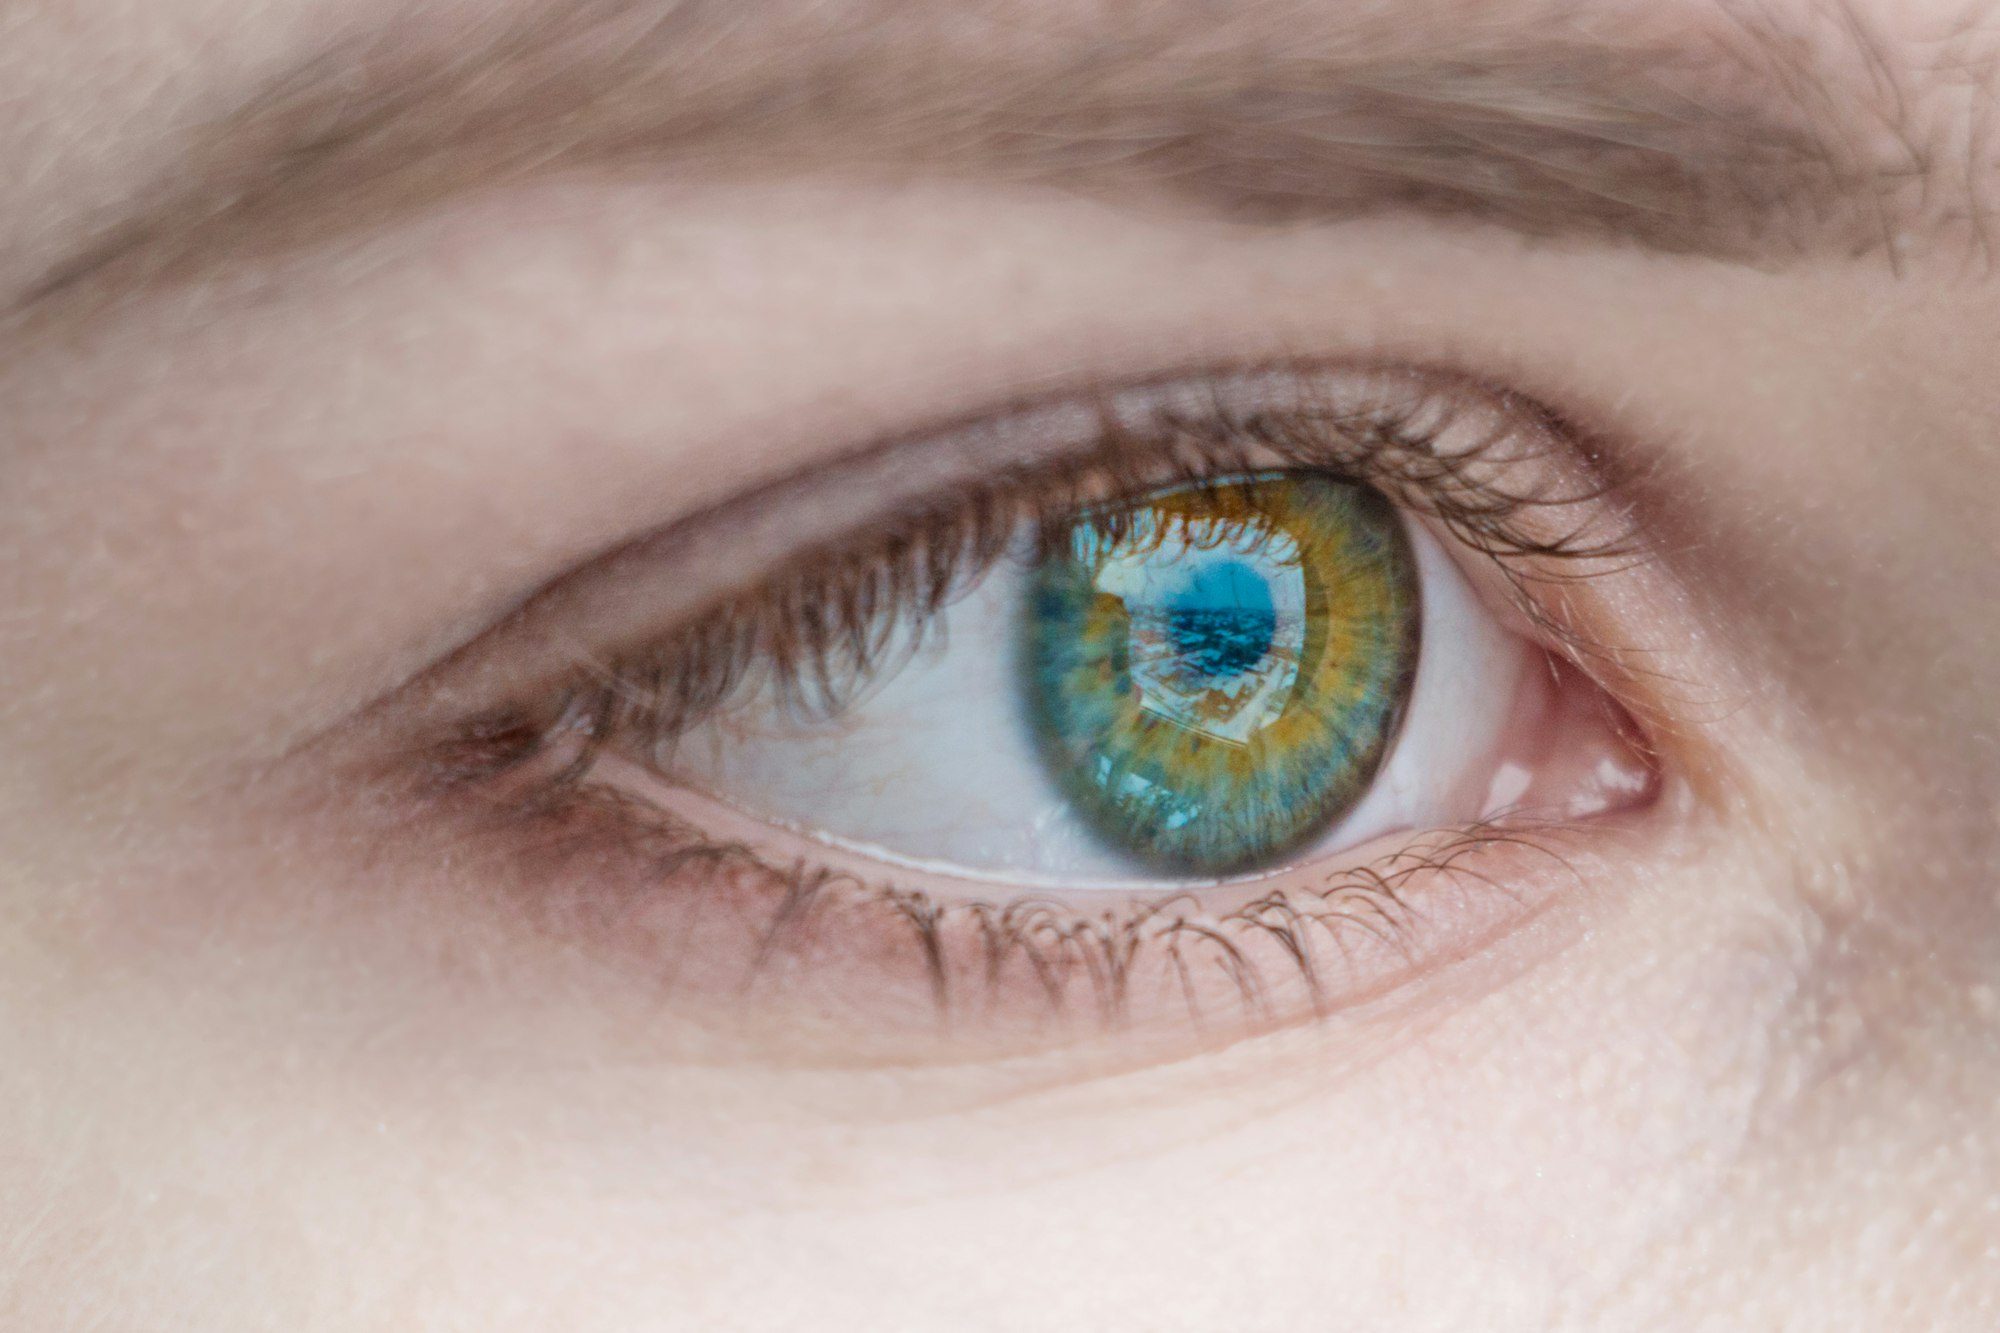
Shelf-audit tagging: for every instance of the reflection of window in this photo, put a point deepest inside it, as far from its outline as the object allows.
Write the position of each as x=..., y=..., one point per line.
x=1230, y=708
x=1216, y=629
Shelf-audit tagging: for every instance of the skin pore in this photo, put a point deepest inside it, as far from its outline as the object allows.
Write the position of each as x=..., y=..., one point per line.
x=332, y=335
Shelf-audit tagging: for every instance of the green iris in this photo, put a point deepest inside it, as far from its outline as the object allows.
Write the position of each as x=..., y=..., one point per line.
x=1215, y=671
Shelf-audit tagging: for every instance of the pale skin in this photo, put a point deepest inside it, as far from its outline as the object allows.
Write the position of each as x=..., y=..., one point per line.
x=264, y=1065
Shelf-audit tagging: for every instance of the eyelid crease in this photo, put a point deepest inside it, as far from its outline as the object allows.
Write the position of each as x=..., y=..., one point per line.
x=841, y=612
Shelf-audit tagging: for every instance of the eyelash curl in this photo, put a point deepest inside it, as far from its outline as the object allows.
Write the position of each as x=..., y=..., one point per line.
x=816, y=632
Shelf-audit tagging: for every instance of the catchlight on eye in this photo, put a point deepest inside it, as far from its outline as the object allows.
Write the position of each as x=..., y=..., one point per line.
x=1214, y=672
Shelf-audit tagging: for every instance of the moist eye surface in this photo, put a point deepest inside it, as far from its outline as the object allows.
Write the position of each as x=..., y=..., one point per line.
x=1214, y=672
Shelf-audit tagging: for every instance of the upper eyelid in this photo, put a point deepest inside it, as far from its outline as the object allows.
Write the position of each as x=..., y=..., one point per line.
x=585, y=627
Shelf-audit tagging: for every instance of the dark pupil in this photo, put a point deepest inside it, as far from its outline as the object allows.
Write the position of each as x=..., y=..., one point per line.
x=1222, y=621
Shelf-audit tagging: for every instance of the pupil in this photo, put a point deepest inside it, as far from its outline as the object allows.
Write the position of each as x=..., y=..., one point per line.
x=1222, y=621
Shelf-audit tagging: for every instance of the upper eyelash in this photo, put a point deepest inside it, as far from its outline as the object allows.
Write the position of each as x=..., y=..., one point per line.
x=840, y=615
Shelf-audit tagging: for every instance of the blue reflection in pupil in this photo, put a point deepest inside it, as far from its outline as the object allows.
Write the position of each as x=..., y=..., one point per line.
x=1222, y=620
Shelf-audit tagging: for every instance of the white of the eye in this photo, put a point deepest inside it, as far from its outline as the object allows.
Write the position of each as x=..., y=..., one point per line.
x=937, y=766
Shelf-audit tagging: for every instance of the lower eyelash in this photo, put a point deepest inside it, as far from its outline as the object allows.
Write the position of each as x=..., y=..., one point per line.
x=1023, y=963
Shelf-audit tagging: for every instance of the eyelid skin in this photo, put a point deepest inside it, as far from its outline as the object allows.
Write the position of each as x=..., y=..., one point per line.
x=508, y=743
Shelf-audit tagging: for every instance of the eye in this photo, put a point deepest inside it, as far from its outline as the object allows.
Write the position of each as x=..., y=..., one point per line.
x=1279, y=670
x=1202, y=682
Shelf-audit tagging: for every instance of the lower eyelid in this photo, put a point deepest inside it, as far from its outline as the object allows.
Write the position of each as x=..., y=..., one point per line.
x=740, y=939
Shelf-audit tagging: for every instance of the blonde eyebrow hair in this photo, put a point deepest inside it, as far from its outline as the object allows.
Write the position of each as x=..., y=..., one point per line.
x=1734, y=137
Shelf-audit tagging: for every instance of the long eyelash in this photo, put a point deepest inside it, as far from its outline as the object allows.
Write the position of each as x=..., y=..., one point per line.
x=839, y=618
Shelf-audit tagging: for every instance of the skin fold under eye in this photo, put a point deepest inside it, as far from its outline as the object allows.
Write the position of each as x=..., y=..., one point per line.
x=1230, y=715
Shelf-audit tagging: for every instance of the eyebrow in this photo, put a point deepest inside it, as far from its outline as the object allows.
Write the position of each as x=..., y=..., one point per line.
x=1730, y=137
